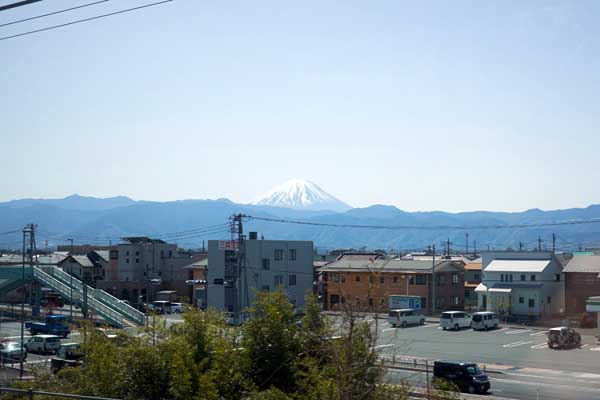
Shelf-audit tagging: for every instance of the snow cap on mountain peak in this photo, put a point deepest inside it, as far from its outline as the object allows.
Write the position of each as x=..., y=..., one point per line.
x=301, y=194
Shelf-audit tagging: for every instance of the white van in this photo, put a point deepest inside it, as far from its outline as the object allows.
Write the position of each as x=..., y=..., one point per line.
x=43, y=344
x=455, y=320
x=485, y=320
x=405, y=317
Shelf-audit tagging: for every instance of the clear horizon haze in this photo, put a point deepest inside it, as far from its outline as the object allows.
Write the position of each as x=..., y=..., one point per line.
x=453, y=106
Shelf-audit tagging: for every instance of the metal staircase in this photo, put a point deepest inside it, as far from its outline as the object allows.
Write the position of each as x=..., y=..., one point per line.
x=70, y=288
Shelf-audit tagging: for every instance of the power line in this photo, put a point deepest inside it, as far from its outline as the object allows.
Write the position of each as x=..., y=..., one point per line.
x=18, y=4
x=429, y=227
x=54, y=13
x=85, y=19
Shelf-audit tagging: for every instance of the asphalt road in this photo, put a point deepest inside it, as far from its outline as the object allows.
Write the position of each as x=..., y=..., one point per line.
x=529, y=386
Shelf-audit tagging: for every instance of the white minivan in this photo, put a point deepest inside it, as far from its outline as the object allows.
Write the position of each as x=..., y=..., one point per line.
x=485, y=320
x=405, y=317
x=43, y=344
x=455, y=320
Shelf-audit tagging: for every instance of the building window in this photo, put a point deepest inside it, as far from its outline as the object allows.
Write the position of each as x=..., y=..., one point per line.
x=127, y=253
x=278, y=254
x=533, y=277
x=454, y=278
x=127, y=261
x=114, y=254
x=523, y=277
x=420, y=279
x=556, y=277
x=291, y=254
x=395, y=279
x=277, y=281
x=549, y=300
x=357, y=278
x=502, y=278
x=170, y=253
x=137, y=260
x=455, y=300
x=510, y=276
x=521, y=300
x=266, y=263
x=265, y=288
x=477, y=277
x=531, y=303
x=381, y=279
x=137, y=253
x=441, y=280
x=292, y=280
x=335, y=277
x=423, y=302
x=411, y=280
x=370, y=301
x=334, y=299
x=343, y=278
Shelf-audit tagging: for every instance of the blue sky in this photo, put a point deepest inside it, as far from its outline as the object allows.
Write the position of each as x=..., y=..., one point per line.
x=424, y=105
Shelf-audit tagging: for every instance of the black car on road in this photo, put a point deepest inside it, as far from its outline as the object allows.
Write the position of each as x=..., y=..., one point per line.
x=465, y=375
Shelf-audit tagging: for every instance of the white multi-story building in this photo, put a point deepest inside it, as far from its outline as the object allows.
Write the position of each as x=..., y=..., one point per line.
x=268, y=265
x=522, y=284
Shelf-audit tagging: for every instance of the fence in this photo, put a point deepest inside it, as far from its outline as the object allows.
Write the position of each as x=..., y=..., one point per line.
x=30, y=394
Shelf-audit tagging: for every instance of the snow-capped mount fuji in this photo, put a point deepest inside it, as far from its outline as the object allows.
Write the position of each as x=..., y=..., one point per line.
x=301, y=194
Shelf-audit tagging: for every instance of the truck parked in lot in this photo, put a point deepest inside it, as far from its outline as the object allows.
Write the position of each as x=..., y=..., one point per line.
x=53, y=325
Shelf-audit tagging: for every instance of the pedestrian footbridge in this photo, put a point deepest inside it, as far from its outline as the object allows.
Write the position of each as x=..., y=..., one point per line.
x=110, y=308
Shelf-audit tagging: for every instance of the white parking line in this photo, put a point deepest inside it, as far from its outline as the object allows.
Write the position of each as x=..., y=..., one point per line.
x=497, y=330
x=517, y=344
x=539, y=346
x=388, y=329
x=517, y=331
x=537, y=334
x=428, y=326
x=584, y=346
x=381, y=346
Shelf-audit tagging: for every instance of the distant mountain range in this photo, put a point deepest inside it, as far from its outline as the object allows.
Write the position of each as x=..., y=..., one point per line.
x=189, y=222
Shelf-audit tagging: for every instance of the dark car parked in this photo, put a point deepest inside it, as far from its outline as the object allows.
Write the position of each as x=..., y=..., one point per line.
x=466, y=375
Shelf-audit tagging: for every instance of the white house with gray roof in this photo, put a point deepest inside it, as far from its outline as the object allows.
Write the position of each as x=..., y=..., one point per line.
x=528, y=284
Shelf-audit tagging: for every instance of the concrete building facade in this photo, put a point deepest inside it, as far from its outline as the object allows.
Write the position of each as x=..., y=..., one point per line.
x=267, y=265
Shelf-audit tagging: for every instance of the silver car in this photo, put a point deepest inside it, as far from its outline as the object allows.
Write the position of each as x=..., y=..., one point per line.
x=10, y=352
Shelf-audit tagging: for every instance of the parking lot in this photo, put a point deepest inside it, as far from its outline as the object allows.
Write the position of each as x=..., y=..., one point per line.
x=503, y=346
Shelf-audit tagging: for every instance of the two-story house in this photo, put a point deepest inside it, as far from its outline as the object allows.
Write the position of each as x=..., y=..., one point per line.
x=366, y=283
x=528, y=284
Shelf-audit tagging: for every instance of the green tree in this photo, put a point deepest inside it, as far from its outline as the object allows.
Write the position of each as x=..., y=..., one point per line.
x=270, y=343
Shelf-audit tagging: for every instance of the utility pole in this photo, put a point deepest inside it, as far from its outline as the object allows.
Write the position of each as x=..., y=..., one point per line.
x=539, y=243
x=467, y=243
x=71, y=278
x=474, y=247
x=520, y=246
x=448, y=247
x=433, y=282
x=553, y=243
x=28, y=232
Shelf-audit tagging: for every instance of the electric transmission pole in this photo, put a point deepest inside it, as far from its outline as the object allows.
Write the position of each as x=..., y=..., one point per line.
x=433, y=281
x=467, y=243
x=553, y=243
